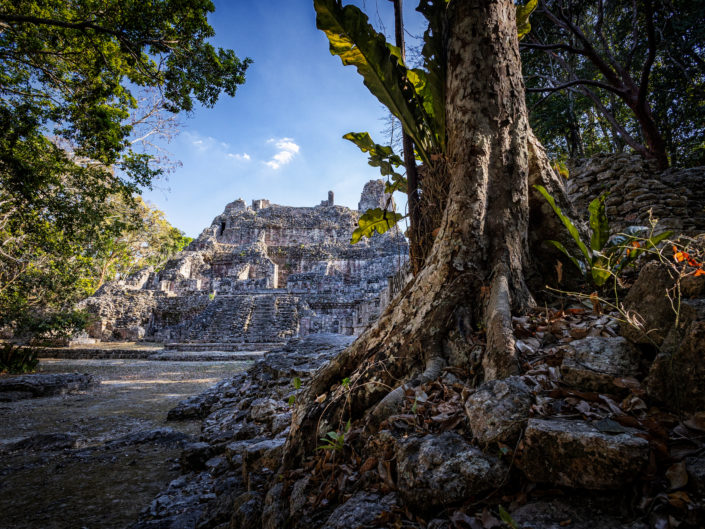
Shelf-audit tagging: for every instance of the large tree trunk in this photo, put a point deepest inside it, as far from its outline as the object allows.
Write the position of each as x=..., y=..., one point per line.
x=474, y=278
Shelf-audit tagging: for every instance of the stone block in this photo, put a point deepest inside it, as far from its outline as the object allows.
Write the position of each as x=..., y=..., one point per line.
x=498, y=410
x=441, y=470
x=593, y=363
x=577, y=454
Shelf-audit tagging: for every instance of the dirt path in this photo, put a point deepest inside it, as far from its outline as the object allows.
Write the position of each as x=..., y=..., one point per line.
x=98, y=482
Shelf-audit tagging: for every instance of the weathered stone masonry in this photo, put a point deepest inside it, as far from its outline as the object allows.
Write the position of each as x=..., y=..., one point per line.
x=256, y=275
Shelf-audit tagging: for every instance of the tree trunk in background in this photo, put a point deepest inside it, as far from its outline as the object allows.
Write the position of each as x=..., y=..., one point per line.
x=416, y=254
x=474, y=277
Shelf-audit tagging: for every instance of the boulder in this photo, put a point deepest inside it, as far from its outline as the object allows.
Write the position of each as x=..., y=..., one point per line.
x=695, y=466
x=263, y=410
x=439, y=470
x=247, y=510
x=578, y=454
x=573, y=512
x=647, y=299
x=37, y=385
x=678, y=378
x=195, y=455
x=360, y=510
x=594, y=362
x=46, y=441
x=264, y=454
x=498, y=410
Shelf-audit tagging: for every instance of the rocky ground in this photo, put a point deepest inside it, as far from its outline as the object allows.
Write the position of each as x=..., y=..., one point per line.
x=91, y=449
x=596, y=432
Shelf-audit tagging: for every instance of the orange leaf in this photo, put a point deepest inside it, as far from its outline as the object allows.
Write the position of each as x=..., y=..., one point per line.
x=699, y=272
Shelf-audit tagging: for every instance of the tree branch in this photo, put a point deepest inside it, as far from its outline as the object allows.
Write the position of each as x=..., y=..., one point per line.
x=651, y=39
x=568, y=84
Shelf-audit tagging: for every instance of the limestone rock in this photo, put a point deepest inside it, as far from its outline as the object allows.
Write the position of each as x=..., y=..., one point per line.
x=594, y=362
x=298, y=496
x=679, y=377
x=263, y=410
x=160, y=436
x=50, y=441
x=438, y=470
x=577, y=454
x=195, y=455
x=360, y=510
x=44, y=385
x=647, y=300
x=573, y=512
x=264, y=454
x=247, y=510
x=498, y=410
x=695, y=466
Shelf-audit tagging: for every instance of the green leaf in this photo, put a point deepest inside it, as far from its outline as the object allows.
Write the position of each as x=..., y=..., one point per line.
x=523, y=13
x=653, y=241
x=599, y=274
x=398, y=183
x=507, y=518
x=357, y=43
x=434, y=53
x=598, y=223
x=297, y=383
x=379, y=155
x=378, y=220
x=566, y=222
x=578, y=264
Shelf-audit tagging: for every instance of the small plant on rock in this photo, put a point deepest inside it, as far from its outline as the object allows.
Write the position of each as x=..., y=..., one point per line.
x=334, y=441
x=606, y=255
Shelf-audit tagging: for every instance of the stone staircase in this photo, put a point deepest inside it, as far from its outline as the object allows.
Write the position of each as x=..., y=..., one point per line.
x=243, y=319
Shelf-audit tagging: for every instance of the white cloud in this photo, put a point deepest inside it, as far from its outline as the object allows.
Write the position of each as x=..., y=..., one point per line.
x=243, y=156
x=214, y=147
x=286, y=148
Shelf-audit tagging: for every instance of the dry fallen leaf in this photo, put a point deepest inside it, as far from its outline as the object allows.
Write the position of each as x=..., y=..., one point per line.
x=677, y=475
x=321, y=398
x=679, y=499
x=696, y=422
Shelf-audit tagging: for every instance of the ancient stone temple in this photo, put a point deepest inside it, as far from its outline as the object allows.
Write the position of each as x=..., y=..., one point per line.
x=258, y=275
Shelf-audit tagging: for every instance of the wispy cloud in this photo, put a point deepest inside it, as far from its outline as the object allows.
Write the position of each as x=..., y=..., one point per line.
x=214, y=147
x=286, y=150
x=243, y=156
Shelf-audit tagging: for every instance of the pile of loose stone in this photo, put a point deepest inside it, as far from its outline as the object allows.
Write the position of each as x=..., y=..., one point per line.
x=676, y=197
x=596, y=432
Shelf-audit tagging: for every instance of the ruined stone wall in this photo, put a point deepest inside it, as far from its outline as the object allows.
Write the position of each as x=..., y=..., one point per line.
x=676, y=197
x=258, y=274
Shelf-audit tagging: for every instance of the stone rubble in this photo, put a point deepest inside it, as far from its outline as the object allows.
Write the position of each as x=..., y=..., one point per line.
x=676, y=197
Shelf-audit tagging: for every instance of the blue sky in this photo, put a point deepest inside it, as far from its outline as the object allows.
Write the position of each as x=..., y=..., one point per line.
x=280, y=137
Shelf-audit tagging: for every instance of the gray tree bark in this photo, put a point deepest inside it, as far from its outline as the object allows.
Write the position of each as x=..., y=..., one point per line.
x=474, y=278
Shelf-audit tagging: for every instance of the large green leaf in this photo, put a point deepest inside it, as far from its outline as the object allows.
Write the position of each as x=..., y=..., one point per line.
x=379, y=155
x=578, y=264
x=378, y=220
x=356, y=42
x=434, y=50
x=599, y=225
x=566, y=222
x=523, y=13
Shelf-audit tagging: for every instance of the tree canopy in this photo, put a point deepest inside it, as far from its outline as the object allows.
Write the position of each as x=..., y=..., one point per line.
x=72, y=77
x=605, y=75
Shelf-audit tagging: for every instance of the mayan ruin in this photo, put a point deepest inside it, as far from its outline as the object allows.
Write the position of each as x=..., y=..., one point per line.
x=258, y=275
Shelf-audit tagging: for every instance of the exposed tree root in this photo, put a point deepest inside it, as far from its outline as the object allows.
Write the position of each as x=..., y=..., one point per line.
x=500, y=359
x=393, y=400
